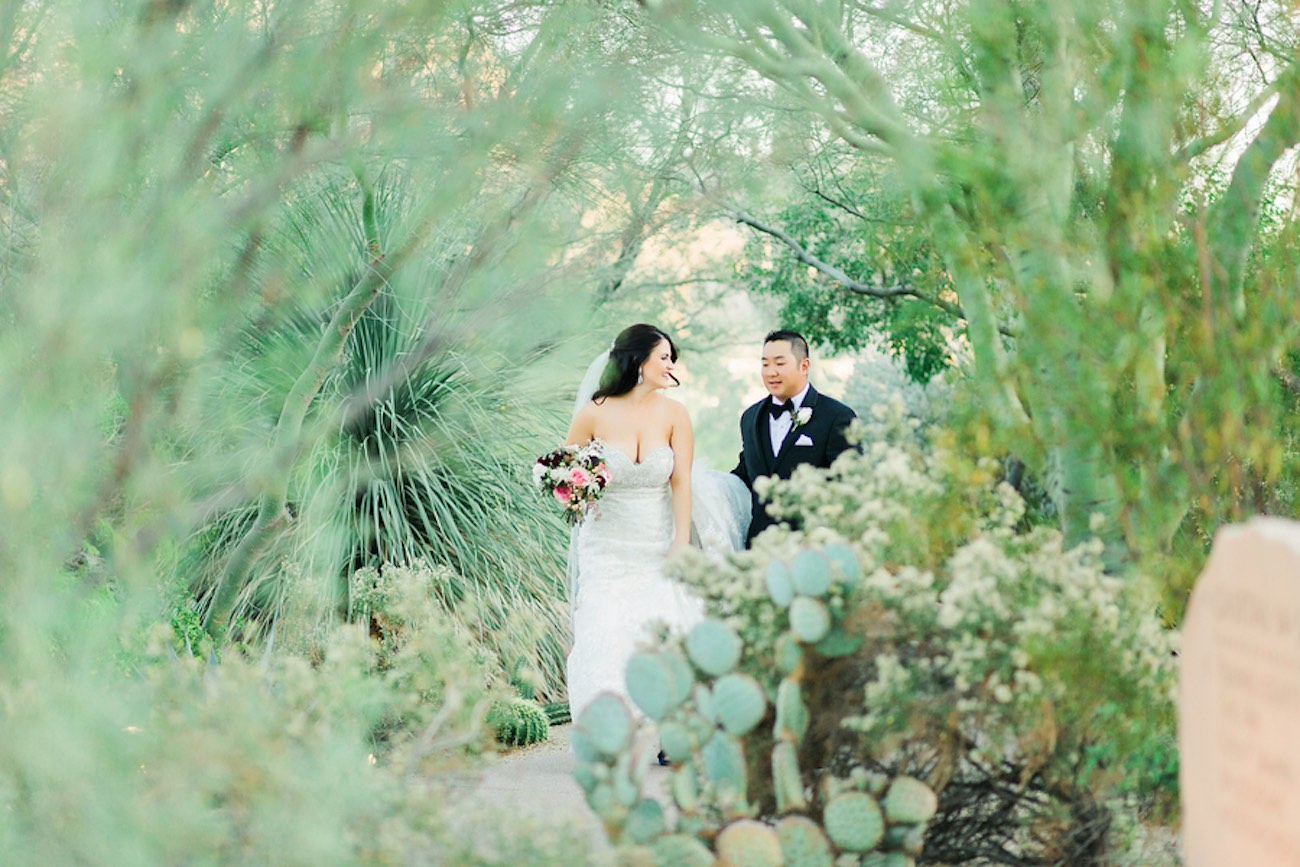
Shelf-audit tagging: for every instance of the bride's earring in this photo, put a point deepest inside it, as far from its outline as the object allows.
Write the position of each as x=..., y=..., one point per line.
x=640, y=377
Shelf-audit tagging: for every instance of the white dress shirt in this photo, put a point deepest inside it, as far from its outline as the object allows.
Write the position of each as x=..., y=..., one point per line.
x=779, y=427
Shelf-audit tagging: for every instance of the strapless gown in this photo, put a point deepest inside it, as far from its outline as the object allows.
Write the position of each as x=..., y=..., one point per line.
x=623, y=589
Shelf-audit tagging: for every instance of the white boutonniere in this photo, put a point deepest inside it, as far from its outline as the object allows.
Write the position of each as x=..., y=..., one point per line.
x=802, y=417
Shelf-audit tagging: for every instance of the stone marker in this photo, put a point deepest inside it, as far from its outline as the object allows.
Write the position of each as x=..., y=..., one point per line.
x=1239, y=701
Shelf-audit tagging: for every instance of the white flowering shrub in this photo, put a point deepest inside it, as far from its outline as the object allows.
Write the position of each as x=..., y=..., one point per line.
x=1024, y=684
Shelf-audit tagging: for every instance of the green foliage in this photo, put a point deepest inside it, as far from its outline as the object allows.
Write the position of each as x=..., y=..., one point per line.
x=420, y=461
x=1082, y=210
x=964, y=691
x=863, y=226
x=557, y=713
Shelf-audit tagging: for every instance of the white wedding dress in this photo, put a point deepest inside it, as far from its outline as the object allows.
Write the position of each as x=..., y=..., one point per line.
x=619, y=588
x=623, y=589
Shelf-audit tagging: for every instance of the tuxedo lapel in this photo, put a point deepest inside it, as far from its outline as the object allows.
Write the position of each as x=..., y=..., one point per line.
x=809, y=402
x=763, y=435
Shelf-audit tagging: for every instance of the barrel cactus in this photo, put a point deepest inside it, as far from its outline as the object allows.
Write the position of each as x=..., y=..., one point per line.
x=519, y=722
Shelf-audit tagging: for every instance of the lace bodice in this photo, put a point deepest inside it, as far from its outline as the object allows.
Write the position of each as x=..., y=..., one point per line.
x=653, y=471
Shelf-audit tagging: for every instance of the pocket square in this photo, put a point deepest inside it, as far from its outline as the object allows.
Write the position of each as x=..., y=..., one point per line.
x=804, y=440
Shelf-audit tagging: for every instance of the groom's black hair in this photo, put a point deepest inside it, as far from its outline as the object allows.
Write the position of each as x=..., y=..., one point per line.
x=797, y=342
x=626, y=355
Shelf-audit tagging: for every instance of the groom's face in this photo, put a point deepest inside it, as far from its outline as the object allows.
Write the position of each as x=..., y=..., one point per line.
x=784, y=373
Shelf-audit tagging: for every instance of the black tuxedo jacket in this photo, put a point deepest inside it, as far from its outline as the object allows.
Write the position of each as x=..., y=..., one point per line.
x=826, y=429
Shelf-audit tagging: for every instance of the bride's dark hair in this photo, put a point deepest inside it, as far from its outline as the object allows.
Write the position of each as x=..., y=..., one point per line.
x=630, y=350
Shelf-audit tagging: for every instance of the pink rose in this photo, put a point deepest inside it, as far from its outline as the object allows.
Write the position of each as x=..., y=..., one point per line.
x=562, y=494
x=578, y=476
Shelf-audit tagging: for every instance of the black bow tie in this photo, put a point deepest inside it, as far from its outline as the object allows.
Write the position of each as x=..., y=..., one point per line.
x=777, y=408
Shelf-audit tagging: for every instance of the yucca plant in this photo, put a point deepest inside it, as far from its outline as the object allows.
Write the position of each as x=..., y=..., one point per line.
x=426, y=436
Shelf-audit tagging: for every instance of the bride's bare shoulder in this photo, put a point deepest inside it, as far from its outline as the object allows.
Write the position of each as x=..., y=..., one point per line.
x=672, y=406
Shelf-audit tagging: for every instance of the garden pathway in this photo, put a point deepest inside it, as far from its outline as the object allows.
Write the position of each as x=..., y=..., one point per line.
x=534, y=786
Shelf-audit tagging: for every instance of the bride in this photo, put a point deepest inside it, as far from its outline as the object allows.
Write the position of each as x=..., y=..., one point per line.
x=619, y=583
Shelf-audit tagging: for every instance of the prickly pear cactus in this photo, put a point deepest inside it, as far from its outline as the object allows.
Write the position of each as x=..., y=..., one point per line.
x=519, y=722
x=803, y=844
x=844, y=564
x=681, y=850
x=791, y=712
x=607, y=724
x=812, y=573
x=714, y=647
x=854, y=822
x=887, y=859
x=749, y=844
x=709, y=710
x=787, y=780
x=810, y=622
x=780, y=583
x=910, y=802
x=652, y=685
x=724, y=763
x=739, y=703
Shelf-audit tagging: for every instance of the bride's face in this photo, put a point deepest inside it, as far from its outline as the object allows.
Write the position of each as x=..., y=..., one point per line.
x=657, y=371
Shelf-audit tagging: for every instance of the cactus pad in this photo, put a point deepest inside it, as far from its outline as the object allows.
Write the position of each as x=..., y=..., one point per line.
x=838, y=643
x=681, y=850
x=812, y=573
x=702, y=698
x=739, y=702
x=645, y=822
x=675, y=738
x=607, y=724
x=724, y=762
x=788, y=652
x=910, y=801
x=803, y=844
x=747, y=843
x=791, y=712
x=683, y=675
x=686, y=787
x=652, y=685
x=714, y=647
x=853, y=821
x=786, y=778
x=780, y=583
x=887, y=859
x=809, y=620
x=845, y=559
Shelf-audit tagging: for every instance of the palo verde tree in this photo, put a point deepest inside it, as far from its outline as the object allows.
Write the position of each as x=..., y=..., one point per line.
x=1093, y=193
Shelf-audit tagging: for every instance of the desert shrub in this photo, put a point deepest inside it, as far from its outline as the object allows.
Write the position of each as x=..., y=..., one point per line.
x=926, y=633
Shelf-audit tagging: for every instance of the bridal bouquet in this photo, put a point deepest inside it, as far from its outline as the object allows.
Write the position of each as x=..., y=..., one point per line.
x=575, y=476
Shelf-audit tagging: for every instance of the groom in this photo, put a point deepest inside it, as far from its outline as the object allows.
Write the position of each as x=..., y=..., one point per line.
x=794, y=425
